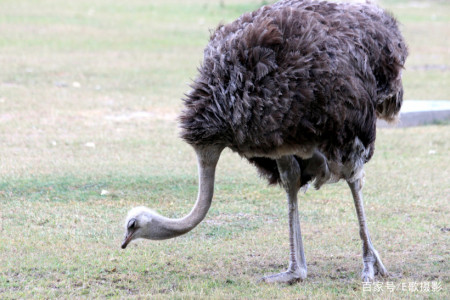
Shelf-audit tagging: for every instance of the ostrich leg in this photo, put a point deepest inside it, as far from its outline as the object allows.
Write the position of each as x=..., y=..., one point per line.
x=371, y=258
x=290, y=177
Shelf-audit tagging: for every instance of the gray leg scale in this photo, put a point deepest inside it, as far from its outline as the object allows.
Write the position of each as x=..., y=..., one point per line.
x=290, y=177
x=371, y=259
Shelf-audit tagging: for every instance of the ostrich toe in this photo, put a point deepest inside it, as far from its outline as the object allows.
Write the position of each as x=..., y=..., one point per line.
x=372, y=266
x=289, y=277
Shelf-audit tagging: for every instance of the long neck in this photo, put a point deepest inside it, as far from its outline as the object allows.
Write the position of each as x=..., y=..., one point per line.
x=207, y=158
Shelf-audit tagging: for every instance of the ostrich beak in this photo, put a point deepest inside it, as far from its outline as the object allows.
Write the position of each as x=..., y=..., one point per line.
x=127, y=239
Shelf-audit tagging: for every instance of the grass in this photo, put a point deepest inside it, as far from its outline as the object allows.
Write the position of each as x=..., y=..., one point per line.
x=89, y=92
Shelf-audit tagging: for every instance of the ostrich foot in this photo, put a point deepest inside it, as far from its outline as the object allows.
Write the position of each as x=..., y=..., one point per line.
x=289, y=277
x=372, y=266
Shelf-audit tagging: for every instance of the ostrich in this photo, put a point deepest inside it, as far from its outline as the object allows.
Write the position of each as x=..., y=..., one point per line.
x=295, y=88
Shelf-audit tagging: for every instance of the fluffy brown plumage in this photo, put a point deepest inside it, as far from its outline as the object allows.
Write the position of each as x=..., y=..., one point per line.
x=296, y=76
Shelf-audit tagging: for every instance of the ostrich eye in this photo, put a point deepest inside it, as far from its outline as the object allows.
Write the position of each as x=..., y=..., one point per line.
x=132, y=224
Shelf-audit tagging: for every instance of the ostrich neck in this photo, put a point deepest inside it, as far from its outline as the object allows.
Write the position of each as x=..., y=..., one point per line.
x=207, y=158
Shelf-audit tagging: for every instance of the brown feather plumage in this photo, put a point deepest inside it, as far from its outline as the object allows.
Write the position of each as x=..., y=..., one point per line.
x=297, y=74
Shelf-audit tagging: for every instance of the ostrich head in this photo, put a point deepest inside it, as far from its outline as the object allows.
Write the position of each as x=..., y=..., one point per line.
x=142, y=222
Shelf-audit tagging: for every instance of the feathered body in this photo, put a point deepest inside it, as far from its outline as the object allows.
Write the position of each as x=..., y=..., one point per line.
x=295, y=77
x=295, y=88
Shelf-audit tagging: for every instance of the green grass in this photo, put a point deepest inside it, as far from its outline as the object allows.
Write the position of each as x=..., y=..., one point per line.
x=89, y=93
